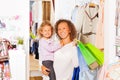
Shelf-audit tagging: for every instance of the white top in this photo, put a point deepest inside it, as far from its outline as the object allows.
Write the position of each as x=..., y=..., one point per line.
x=65, y=59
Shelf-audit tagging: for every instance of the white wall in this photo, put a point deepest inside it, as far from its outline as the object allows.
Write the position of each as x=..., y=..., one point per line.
x=13, y=8
x=109, y=32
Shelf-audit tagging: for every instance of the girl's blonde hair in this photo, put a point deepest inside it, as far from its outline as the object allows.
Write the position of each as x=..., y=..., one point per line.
x=43, y=24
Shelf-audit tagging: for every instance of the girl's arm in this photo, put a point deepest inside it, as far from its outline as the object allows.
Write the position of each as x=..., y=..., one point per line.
x=52, y=46
x=42, y=68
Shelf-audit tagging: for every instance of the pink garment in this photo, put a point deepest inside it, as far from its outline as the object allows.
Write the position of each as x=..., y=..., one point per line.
x=100, y=43
x=30, y=18
x=102, y=72
x=117, y=16
x=100, y=29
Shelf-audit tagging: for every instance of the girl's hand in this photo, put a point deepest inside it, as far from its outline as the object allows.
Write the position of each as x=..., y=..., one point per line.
x=45, y=70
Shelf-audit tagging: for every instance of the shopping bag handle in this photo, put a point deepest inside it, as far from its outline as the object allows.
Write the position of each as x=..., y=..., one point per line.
x=77, y=41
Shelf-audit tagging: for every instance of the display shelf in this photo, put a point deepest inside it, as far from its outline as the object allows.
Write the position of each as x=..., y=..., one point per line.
x=4, y=61
x=18, y=64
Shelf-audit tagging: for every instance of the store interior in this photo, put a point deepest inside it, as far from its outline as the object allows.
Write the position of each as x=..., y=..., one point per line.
x=16, y=26
x=106, y=31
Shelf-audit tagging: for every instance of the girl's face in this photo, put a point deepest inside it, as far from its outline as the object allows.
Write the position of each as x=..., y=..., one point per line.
x=63, y=30
x=46, y=31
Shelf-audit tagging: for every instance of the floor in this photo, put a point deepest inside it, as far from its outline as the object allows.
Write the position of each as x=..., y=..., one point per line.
x=35, y=74
x=35, y=78
x=113, y=72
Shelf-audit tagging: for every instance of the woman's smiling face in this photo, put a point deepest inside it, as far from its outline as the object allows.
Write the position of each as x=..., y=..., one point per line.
x=63, y=30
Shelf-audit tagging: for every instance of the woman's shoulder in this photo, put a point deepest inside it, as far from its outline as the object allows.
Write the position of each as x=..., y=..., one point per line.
x=70, y=46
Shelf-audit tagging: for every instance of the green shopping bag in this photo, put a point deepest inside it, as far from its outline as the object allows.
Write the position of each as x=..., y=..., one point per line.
x=89, y=58
x=99, y=55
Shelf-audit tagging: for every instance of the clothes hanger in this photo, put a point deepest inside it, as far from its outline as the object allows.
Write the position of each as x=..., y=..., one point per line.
x=92, y=5
x=76, y=6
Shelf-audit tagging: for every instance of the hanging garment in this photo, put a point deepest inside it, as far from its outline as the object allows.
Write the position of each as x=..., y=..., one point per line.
x=3, y=50
x=89, y=22
x=77, y=16
x=95, y=1
x=32, y=36
x=100, y=28
x=74, y=13
x=63, y=9
x=5, y=73
x=117, y=16
x=90, y=19
x=34, y=28
x=101, y=72
x=76, y=73
x=35, y=49
x=82, y=2
x=100, y=41
x=85, y=73
x=35, y=11
x=30, y=18
x=117, y=41
x=88, y=75
x=76, y=19
x=82, y=63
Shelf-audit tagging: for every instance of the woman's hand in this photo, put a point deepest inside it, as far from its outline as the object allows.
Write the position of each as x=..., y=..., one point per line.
x=45, y=70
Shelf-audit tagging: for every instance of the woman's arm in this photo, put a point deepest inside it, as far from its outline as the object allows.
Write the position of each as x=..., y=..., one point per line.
x=45, y=70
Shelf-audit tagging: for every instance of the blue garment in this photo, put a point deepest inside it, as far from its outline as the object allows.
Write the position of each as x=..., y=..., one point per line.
x=76, y=73
x=34, y=49
x=73, y=17
x=82, y=64
x=85, y=73
x=88, y=75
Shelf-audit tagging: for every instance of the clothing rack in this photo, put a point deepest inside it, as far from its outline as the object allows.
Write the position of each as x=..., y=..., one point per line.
x=4, y=61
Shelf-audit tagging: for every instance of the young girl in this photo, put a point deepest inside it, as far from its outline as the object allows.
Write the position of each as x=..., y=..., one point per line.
x=47, y=47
